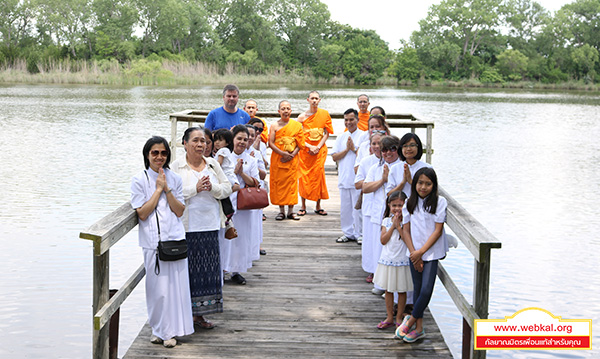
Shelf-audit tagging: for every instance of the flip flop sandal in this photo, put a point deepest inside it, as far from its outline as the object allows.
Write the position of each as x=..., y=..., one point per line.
x=205, y=324
x=280, y=217
x=301, y=212
x=321, y=212
x=293, y=216
x=384, y=325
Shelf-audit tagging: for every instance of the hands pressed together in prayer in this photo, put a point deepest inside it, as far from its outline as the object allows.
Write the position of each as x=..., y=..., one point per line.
x=203, y=184
x=350, y=145
x=161, y=181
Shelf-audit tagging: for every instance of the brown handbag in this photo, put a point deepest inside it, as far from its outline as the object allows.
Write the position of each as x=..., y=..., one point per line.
x=252, y=197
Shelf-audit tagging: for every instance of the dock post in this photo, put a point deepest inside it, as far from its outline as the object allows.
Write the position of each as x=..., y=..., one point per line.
x=100, y=297
x=113, y=337
x=481, y=291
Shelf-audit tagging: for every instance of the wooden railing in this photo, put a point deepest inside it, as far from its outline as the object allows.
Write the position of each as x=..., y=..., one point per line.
x=479, y=241
x=394, y=121
x=476, y=238
x=105, y=233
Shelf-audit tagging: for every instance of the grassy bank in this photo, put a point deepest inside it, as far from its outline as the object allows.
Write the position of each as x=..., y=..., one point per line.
x=164, y=73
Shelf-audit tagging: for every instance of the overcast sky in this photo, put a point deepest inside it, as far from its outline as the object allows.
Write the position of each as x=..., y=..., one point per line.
x=394, y=19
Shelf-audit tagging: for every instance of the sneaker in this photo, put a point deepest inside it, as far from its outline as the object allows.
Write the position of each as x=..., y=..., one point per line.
x=238, y=279
x=413, y=336
x=359, y=240
x=170, y=343
x=342, y=239
x=155, y=340
x=402, y=328
x=377, y=291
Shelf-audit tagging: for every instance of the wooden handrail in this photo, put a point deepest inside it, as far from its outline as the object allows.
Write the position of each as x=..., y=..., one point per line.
x=105, y=233
x=479, y=241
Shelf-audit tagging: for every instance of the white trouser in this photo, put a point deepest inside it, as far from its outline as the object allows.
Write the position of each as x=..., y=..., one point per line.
x=349, y=217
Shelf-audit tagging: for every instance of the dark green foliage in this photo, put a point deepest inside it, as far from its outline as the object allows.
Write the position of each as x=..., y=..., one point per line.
x=489, y=40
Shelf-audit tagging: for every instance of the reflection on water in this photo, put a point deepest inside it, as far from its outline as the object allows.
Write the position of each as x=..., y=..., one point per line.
x=524, y=163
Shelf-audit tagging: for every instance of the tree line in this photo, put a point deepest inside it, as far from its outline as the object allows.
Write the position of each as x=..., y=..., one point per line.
x=485, y=40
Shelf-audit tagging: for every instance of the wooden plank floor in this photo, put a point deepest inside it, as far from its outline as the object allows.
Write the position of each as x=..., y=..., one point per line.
x=307, y=298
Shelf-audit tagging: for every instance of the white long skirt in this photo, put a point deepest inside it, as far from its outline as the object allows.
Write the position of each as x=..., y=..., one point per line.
x=168, y=297
x=236, y=252
x=257, y=233
x=371, y=245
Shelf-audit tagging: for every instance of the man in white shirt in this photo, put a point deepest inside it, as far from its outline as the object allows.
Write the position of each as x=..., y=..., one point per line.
x=344, y=153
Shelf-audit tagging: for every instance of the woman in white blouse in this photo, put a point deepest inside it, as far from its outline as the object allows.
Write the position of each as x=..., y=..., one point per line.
x=237, y=253
x=204, y=183
x=157, y=197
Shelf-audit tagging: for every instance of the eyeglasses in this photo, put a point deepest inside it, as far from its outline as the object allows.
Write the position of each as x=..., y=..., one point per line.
x=410, y=145
x=155, y=153
x=259, y=129
x=392, y=149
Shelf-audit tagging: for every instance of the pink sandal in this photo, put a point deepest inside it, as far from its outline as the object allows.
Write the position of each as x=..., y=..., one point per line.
x=384, y=325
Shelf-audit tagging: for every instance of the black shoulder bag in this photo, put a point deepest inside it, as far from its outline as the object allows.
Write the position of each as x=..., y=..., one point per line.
x=168, y=251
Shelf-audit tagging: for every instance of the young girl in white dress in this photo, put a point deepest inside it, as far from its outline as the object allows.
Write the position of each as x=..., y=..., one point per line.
x=393, y=271
x=410, y=152
x=223, y=144
x=423, y=231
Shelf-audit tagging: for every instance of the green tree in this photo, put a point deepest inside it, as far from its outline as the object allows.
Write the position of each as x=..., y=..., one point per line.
x=245, y=27
x=165, y=24
x=301, y=24
x=512, y=64
x=328, y=61
x=114, y=30
x=365, y=56
x=68, y=20
x=16, y=19
x=525, y=19
x=585, y=59
x=465, y=23
x=406, y=65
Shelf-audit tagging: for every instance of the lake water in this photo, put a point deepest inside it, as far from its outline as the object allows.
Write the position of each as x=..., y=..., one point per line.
x=525, y=164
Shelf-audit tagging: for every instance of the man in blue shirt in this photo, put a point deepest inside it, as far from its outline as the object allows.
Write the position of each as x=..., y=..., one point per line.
x=228, y=115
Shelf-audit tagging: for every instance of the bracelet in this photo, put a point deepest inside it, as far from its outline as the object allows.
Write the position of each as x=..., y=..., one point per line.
x=169, y=191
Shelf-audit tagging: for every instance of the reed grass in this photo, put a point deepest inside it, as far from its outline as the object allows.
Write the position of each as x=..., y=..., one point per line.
x=167, y=72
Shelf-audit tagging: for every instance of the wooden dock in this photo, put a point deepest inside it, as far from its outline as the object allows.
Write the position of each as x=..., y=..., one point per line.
x=306, y=298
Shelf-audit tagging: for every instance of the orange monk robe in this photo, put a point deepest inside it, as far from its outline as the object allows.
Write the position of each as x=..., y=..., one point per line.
x=312, y=167
x=264, y=137
x=283, y=180
x=363, y=121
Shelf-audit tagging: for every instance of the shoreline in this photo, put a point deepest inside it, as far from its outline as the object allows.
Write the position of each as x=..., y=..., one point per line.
x=186, y=76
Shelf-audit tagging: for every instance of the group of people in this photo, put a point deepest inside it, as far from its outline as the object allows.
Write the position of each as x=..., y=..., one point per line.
x=195, y=198
x=389, y=204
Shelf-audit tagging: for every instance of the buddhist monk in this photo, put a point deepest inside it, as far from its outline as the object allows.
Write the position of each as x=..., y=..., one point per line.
x=317, y=127
x=286, y=139
x=251, y=107
x=363, y=112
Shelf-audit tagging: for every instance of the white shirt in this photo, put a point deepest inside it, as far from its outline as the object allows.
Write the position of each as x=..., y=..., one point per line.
x=422, y=225
x=346, y=164
x=250, y=168
x=227, y=164
x=202, y=210
x=361, y=174
x=364, y=150
x=171, y=227
x=397, y=173
x=394, y=252
x=378, y=202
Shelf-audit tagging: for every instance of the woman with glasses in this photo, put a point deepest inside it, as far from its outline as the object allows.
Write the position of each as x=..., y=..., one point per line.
x=401, y=175
x=157, y=197
x=375, y=182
